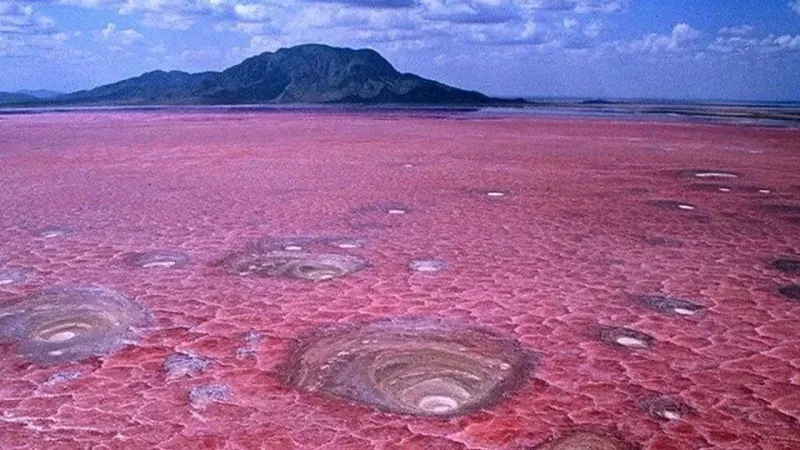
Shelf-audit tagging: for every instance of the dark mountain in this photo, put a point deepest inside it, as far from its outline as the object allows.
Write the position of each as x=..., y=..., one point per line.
x=40, y=93
x=7, y=98
x=303, y=74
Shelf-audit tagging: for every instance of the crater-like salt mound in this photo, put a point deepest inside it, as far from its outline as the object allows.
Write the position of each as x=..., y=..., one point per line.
x=68, y=324
x=292, y=264
x=625, y=337
x=786, y=265
x=669, y=305
x=665, y=408
x=707, y=174
x=672, y=204
x=15, y=275
x=586, y=440
x=159, y=259
x=424, y=367
x=790, y=291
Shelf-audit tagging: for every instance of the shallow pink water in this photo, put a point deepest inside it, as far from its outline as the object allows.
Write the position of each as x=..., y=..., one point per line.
x=550, y=263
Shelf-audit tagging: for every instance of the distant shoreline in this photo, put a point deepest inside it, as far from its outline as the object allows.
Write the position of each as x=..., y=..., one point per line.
x=716, y=114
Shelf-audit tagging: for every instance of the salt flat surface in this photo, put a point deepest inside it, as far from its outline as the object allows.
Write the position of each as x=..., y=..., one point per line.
x=650, y=324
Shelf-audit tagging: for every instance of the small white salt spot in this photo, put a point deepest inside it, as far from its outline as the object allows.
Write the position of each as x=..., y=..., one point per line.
x=56, y=352
x=6, y=281
x=764, y=191
x=684, y=311
x=715, y=175
x=347, y=245
x=408, y=166
x=51, y=234
x=724, y=190
x=670, y=415
x=438, y=404
x=504, y=366
x=686, y=207
x=365, y=342
x=293, y=248
x=161, y=264
x=628, y=341
x=495, y=194
x=62, y=336
x=397, y=211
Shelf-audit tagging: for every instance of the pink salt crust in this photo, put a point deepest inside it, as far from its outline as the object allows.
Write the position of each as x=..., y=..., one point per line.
x=549, y=263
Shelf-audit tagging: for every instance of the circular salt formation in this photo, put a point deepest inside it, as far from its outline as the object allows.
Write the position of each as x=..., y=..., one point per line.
x=669, y=305
x=53, y=232
x=160, y=259
x=665, y=408
x=293, y=264
x=69, y=324
x=586, y=440
x=786, y=265
x=422, y=367
x=625, y=337
x=710, y=174
x=672, y=204
x=790, y=291
x=13, y=276
x=427, y=265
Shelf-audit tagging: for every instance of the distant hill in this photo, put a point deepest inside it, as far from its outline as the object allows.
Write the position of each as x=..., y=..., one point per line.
x=40, y=93
x=309, y=73
x=7, y=98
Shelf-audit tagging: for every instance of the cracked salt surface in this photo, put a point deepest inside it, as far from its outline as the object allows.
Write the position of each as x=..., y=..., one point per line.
x=546, y=271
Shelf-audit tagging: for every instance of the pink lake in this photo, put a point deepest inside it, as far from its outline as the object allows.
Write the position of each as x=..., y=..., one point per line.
x=649, y=269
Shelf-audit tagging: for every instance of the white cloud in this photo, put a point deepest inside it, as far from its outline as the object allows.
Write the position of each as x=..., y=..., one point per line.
x=770, y=44
x=683, y=37
x=167, y=21
x=593, y=29
x=17, y=18
x=741, y=30
x=471, y=11
x=251, y=12
x=201, y=55
x=570, y=23
x=795, y=5
x=578, y=6
x=117, y=39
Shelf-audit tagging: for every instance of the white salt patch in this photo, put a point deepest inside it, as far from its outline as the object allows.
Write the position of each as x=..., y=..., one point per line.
x=408, y=166
x=6, y=281
x=630, y=342
x=62, y=336
x=347, y=245
x=686, y=207
x=684, y=311
x=496, y=194
x=671, y=415
x=56, y=352
x=164, y=264
x=293, y=248
x=764, y=191
x=52, y=234
x=437, y=404
x=715, y=175
x=397, y=211
x=724, y=190
x=504, y=366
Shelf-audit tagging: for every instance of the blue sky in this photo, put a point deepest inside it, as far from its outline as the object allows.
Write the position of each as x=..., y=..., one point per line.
x=681, y=49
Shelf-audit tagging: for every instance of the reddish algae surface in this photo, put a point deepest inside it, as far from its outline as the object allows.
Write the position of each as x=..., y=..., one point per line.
x=633, y=260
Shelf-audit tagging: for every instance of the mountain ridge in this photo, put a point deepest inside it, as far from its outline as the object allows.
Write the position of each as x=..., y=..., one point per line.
x=306, y=74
